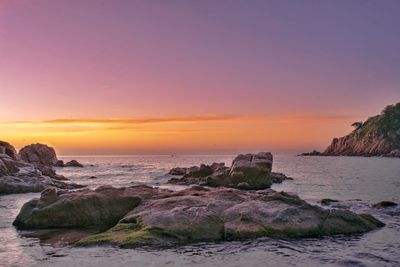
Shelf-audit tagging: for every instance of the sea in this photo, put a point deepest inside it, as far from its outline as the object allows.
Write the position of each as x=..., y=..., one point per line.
x=357, y=182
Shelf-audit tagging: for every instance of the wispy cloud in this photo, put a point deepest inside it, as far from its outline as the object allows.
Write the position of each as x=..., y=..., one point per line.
x=117, y=123
x=143, y=120
x=93, y=124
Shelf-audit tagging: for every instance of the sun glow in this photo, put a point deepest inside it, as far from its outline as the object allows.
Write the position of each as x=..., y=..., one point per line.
x=195, y=134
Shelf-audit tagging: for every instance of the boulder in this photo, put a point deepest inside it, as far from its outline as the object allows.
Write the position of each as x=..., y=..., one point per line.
x=9, y=150
x=101, y=208
x=39, y=154
x=73, y=163
x=145, y=216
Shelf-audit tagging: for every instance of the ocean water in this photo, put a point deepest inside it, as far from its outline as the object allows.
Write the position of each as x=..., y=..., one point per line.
x=357, y=182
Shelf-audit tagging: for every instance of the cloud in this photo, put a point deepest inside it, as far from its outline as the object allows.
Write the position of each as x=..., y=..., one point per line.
x=141, y=120
x=106, y=124
x=115, y=123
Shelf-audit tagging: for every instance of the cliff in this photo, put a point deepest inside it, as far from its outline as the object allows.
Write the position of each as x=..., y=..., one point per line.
x=377, y=136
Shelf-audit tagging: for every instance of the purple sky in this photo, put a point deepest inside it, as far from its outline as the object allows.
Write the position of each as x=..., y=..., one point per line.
x=105, y=59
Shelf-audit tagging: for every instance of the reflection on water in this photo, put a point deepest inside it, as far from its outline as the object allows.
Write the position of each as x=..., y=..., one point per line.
x=357, y=182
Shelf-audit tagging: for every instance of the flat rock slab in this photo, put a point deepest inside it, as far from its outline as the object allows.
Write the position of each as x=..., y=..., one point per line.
x=146, y=216
x=31, y=184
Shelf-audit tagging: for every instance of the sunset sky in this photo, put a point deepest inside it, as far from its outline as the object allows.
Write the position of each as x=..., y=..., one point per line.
x=163, y=77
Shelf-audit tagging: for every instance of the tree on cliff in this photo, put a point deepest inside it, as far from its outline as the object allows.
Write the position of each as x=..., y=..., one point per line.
x=391, y=118
x=357, y=124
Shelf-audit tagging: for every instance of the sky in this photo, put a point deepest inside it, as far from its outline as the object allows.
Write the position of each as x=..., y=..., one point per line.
x=164, y=77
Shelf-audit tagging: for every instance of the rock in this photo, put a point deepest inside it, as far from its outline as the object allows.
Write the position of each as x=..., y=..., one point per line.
x=9, y=150
x=60, y=163
x=92, y=177
x=395, y=153
x=73, y=163
x=39, y=154
x=28, y=183
x=17, y=176
x=384, y=204
x=8, y=165
x=243, y=186
x=252, y=171
x=101, y=208
x=328, y=201
x=278, y=177
x=312, y=153
x=145, y=216
x=177, y=171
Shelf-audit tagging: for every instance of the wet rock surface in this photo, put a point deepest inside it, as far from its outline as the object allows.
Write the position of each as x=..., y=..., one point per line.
x=146, y=216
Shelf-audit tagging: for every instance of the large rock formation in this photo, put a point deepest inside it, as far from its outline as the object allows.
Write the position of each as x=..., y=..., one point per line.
x=142, y=215
x=17, y=176
x=39, y=154
x=248, y=171
x=377, y=136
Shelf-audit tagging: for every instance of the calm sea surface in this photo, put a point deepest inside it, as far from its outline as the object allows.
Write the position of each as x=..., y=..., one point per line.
x=357, y=182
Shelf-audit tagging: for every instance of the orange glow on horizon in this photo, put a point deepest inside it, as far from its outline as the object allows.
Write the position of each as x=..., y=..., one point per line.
x=192, y=134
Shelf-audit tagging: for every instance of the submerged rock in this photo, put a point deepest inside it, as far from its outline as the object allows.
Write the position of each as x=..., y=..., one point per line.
x=248, y=171
x=312, y=153
x=278, y=177
x=73, y=163
x=384, y=204
x=145, y=216
x=328, y=201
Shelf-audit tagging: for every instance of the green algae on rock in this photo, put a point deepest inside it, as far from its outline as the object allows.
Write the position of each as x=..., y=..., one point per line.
x=146, y=216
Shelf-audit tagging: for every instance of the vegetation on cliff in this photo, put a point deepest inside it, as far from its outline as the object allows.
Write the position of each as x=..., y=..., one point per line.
x=377, y=136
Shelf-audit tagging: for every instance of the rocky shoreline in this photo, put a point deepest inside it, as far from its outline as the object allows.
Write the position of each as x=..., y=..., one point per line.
x=30, y=170
x=225, y=203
